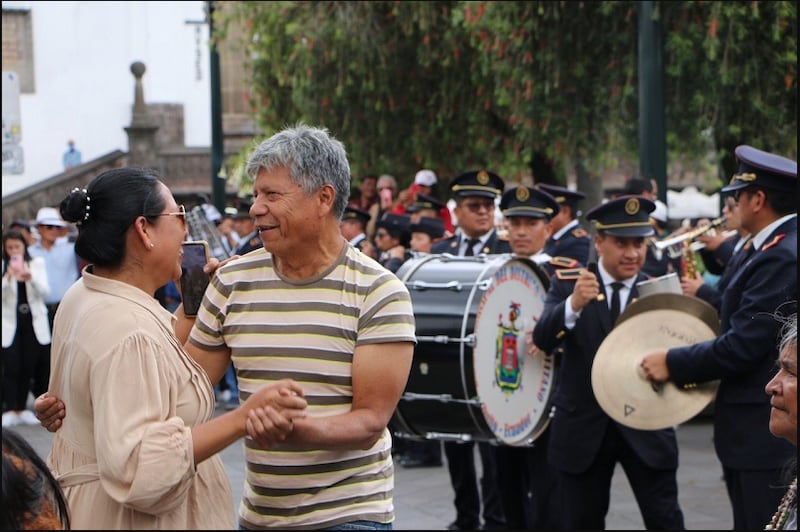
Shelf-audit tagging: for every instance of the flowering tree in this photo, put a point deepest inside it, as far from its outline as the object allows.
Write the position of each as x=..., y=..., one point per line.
x=454, y=85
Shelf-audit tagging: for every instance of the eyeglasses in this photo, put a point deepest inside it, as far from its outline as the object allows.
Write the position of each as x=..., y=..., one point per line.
x=181, y=213
x=476, y=206
x=737, y=193
x=50, y=226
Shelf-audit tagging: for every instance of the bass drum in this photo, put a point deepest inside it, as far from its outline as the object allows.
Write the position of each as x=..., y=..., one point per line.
x=471, y=378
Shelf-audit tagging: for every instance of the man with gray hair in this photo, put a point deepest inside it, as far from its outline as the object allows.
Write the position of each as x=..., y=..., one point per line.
x=311, y=307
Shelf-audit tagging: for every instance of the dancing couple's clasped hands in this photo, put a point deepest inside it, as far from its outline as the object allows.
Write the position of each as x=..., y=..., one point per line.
x=268, y=414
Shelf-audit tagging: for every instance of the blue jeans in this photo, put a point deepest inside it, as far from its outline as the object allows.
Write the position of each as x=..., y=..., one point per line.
x=230, y=380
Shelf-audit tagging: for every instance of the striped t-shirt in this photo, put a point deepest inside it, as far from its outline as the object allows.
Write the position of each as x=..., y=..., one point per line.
x=308, y=331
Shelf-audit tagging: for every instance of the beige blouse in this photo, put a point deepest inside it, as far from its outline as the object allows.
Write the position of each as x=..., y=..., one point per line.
x=124, y=453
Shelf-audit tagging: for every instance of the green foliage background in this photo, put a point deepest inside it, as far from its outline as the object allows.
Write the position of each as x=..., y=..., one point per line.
x=456, y=85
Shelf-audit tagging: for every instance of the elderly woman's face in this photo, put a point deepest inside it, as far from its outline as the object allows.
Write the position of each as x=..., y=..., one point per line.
x=783, y=389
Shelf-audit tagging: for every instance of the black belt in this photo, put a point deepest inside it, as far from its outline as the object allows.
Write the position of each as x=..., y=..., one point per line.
x=24, y=308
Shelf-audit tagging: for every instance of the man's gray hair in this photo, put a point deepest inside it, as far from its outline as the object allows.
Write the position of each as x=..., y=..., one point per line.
x=312, y=156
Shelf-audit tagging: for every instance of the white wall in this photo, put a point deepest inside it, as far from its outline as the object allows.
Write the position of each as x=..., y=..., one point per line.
x=84, y=87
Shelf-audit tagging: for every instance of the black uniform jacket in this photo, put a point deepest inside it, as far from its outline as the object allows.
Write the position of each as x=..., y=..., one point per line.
x=743, y=355
x=579, y=424
x=493, y=246
x=574, y=244
x=249, y=243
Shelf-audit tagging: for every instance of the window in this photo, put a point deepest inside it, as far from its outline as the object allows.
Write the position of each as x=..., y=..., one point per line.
x=18, y=47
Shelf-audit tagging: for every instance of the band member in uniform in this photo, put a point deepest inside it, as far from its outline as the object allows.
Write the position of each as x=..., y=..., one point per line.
x=586, y=444
x=526, y=481
x=726, y=257
x=354, y=225
x=743, y=356
x=569, y=239
x=474, y=193
x=718, y=246
x=421, y=453
x=245, y=225
x=392, y=235
x=425, y=206
x=425, y=232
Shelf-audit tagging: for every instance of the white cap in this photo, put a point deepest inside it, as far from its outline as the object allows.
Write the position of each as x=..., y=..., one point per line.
x=211, y=212
x=660, y=212
x=425, y=178
x=49, y=216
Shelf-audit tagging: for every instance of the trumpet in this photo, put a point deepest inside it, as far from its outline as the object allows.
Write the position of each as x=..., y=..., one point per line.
x=676, y=245
x=697, y=246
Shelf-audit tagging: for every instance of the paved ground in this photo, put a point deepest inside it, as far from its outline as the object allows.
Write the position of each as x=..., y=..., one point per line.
x=424, y=498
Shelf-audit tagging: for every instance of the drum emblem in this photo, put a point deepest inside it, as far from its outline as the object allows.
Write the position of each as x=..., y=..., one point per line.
x=507, y=369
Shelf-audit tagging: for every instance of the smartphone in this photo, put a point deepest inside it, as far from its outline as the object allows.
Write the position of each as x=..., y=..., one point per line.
x=17, y=263
x=194, y=280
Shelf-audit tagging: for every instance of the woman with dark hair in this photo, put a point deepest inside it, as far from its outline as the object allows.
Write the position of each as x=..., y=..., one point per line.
x=139, y=447
x=26, y=328
x=32, y=498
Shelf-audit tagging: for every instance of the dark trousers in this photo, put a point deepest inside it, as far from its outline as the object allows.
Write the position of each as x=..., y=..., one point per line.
x=528, y=486
x=463, y=477
x=23, y=360
x=428, y=451
x=656, y=490
x=755, y=495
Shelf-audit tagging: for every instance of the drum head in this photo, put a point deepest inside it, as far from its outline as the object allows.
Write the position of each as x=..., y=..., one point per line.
x=514, y=388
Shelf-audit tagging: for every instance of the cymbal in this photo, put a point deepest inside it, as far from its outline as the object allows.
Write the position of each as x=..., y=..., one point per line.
x=618, y=381
x=694, y=306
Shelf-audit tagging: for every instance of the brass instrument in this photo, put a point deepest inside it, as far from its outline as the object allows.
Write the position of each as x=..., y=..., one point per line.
x=683, y=246
x=689, y=262
x=201, y=228
x=697, y=246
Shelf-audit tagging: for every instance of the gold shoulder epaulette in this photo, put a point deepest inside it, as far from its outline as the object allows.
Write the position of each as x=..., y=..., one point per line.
x=564, y=262
x=569, y=274
x=579, y=232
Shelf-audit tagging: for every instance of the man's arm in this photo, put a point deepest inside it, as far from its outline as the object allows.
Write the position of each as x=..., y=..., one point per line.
x=380, y=374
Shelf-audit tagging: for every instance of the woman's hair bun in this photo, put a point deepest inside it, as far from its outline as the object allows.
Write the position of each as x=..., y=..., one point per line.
x=76, y=206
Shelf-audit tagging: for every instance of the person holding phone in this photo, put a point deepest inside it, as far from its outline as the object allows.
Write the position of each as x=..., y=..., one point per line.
x=138, y=446
x=26, y=328
x=306, y=305
x=387, y=190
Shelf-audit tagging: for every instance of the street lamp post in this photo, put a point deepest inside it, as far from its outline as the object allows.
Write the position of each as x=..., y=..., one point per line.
x=217, y=144
x=652, y=134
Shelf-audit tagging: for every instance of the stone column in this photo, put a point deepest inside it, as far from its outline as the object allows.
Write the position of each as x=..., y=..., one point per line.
x=142, y=146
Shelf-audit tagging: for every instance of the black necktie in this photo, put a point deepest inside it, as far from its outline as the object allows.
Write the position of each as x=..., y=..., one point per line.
x=615, y=301
x=470, y=251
